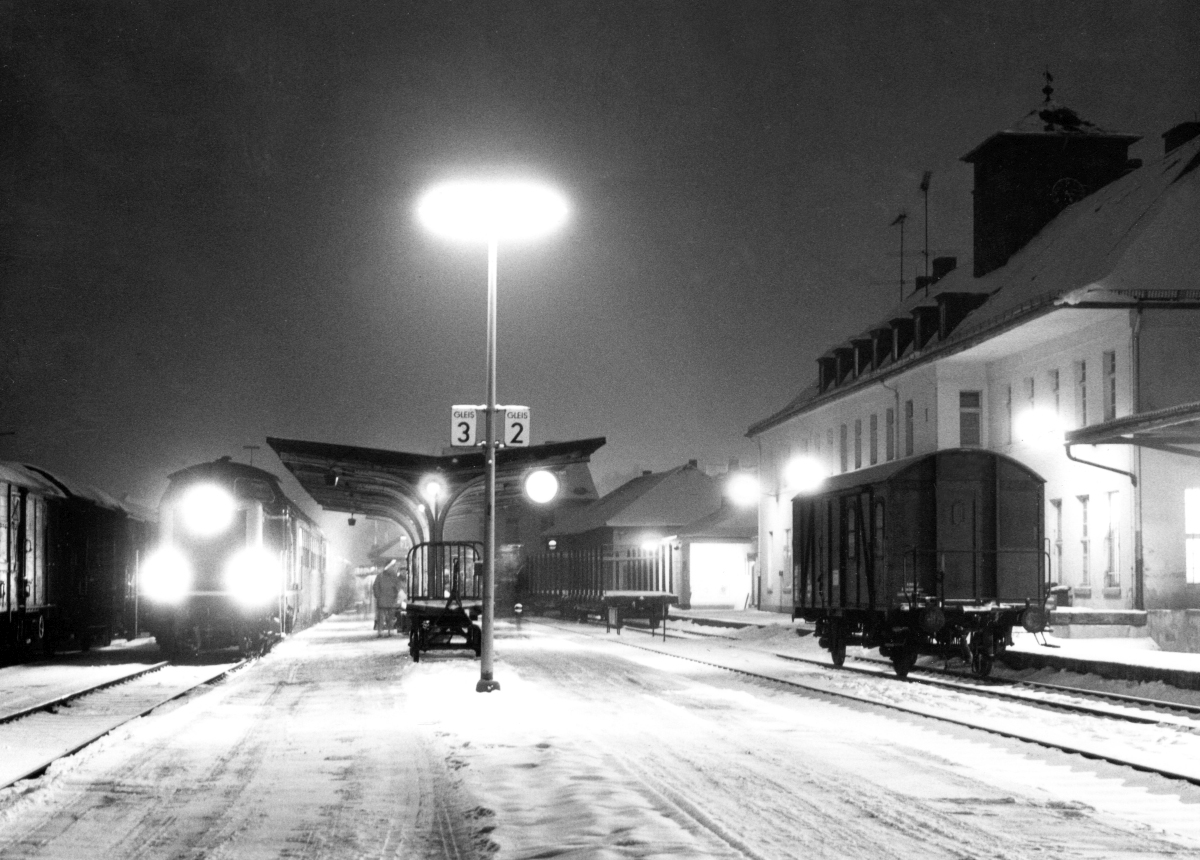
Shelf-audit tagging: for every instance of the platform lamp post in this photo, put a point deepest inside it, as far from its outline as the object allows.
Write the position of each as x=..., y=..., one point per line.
x=489, y=211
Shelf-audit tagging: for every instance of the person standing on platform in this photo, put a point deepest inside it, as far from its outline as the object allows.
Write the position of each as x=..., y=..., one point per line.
x=386, y=590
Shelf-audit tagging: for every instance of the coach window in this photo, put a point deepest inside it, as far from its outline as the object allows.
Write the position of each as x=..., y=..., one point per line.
x=970, y=419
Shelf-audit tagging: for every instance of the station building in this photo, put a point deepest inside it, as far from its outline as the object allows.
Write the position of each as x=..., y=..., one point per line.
x=1071, y=343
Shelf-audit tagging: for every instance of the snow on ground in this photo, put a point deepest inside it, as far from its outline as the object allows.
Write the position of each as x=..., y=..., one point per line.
x=337, y=745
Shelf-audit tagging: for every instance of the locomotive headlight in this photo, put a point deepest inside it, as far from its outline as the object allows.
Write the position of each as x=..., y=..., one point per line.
x=253, y=577
x=206, y=510
x=166, y=575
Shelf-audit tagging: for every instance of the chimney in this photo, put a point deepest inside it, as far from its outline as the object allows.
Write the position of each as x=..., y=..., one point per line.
x=693, y=464
x=1027, y=174
x=942, y=266
x=1173, y=138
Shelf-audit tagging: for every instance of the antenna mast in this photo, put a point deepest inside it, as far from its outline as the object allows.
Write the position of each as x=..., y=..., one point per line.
x=900, y=219
x=925, y=191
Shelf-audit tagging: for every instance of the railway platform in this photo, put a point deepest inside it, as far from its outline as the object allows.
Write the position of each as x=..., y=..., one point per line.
x=1125, y=658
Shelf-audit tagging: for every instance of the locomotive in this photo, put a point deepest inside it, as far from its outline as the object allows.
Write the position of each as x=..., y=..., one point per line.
x=68, y=561
x=940, y=555
x=238, y=563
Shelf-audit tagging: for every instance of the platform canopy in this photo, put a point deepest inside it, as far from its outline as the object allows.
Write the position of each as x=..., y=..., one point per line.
x=1175, y=429
x=389, y=485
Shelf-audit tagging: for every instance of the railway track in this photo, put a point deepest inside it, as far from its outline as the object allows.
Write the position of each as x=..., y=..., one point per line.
x=759, y=665
x=33, y=737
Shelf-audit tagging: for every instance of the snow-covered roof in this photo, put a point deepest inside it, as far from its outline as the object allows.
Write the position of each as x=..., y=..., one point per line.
x=673, y=498
x=1133, y=240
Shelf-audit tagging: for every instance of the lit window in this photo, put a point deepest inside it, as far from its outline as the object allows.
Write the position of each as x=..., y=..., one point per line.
x=1191, y=529
x=1085, y=544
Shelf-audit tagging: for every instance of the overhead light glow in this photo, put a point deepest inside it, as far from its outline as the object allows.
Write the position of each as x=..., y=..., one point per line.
x=541, y=486
x=742, y=489
x=206, y=510
x=804, y=474
x=486, y=210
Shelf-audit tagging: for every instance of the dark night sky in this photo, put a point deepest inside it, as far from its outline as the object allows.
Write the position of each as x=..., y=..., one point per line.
x=207, y=207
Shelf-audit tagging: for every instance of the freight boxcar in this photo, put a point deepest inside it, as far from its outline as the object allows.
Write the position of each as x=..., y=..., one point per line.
x=938, y=555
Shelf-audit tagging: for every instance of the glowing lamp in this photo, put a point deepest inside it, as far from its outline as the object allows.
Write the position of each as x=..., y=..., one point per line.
x=1039, y=426
x=742, y=490
x=804, y=474
x=492, y=210
x=206, y=510
x=541, y=486
x=165, y=575
x=433, y=490
x=252, y=577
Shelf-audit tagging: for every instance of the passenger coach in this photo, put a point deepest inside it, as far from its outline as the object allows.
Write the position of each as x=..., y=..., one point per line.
x=238, y=562
x=942, y=555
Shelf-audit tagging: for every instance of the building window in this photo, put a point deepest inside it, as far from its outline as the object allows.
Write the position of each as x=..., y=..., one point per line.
x=1191, y=533
x=1054, y=391
x=845, y=448
x=874, y=438
x=1112, y=578
x=1008, y=416
x=829, y=446
x=1110, y=386
x=1056, y=575
x=890, y=428
x=858, y=443
x=908, y=428
x=970, y=419
x=1081, y=393
x=1029, y=392
x=1085, y=544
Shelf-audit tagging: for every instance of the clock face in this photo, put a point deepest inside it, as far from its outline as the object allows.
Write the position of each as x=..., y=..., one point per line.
x=1067, y=191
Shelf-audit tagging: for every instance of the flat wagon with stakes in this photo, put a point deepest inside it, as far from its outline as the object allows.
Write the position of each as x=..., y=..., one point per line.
x=938, y=555
x=445, y=597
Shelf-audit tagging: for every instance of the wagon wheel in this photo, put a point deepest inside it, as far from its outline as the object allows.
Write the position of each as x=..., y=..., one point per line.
x=837, y=644
x=904, y=658
x=981, y=663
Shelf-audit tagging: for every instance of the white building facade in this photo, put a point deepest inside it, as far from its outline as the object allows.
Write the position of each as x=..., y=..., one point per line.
x=1074, y=348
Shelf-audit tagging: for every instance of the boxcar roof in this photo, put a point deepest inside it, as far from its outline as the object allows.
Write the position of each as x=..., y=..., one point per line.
x=887, y=471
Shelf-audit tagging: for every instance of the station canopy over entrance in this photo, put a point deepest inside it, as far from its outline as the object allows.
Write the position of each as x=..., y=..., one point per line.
x=1175, y=429
x=389, y=485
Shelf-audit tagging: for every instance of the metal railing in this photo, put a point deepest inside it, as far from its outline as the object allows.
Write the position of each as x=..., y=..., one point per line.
x=587, y=574
x=439, y=571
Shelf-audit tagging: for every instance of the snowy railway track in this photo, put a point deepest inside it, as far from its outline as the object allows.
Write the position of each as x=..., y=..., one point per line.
x=758, y=665
x=1134, y=709
x=33, y=737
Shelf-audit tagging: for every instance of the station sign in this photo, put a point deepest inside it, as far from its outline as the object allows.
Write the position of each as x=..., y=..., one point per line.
x=465, y=430
x=516, y=426
x=463, y=426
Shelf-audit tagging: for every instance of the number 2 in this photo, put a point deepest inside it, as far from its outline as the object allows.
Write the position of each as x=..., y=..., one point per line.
x=518, y=429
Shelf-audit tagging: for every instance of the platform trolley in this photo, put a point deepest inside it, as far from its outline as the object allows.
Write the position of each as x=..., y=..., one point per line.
x=445, y=597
